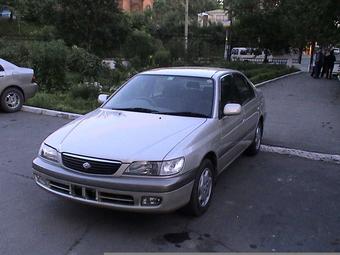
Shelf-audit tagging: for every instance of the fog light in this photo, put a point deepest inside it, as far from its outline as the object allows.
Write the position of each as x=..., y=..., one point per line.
x=151, y=201
x=40, y=180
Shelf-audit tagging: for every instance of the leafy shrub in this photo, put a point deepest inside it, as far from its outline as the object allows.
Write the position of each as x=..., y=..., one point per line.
x=18, y=54
x=48, y=59
x=49, y=62
x=45, y=33
x=81, y=61
x=85, y=90
x=140, y=44
x=162, y=58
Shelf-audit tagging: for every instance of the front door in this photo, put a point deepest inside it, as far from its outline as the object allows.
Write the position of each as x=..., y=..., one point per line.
x=230, y=126
x=250, y=109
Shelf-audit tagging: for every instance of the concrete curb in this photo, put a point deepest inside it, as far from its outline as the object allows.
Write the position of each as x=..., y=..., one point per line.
x=277, y=78
x=302, y=154
x=41, y=111
x=72, y=116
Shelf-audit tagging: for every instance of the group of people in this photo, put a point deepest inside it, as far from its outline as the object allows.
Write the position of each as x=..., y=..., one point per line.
x=324, y=64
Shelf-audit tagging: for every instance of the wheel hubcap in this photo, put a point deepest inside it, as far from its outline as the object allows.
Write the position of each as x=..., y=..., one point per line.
x=12, y=100
x=258, y=138
x=205, y=187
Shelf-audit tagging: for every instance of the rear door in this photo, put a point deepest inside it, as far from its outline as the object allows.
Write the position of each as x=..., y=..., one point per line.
x=2, y=78
x=250, y=108
x=229, y=126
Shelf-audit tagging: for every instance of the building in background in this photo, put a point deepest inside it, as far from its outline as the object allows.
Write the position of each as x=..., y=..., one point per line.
x=134, y=5
x=213, y=17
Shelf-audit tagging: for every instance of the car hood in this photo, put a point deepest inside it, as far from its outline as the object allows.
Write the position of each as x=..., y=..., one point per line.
x=123, y=136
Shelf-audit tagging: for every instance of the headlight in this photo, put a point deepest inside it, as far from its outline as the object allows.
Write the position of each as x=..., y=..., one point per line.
x=164, y=168
x=48, y=153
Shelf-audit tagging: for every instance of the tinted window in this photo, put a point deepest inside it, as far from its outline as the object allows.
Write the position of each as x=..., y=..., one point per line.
x=244, y=88
x=1, y=69
x=243, y=52
x=234, y=52
x=229, y=92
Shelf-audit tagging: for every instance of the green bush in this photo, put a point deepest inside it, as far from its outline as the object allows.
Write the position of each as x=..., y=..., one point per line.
x=85, y=90
x=83, y=62
x=162, y=58
x=142, y=45
x=45, y=33
x=49, y=62
x=18, y=54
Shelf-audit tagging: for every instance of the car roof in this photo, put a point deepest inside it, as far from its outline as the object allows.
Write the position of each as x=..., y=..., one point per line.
x=201, y=72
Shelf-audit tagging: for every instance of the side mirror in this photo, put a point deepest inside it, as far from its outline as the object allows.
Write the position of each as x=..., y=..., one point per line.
x=102, y=98
x=232, y=109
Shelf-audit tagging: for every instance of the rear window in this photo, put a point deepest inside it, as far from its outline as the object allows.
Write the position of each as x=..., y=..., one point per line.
x=1, y=68
x=7, y=65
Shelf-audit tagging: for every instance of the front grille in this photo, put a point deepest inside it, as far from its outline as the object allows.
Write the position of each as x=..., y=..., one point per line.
x=86, y=193
x=90, y=165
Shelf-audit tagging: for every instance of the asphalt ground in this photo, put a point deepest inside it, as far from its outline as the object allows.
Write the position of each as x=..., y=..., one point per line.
x=266, y=203
x=303, y=113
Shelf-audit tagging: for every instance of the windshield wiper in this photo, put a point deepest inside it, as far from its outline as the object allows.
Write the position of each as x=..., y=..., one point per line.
x=188, y=114
x=136, y=109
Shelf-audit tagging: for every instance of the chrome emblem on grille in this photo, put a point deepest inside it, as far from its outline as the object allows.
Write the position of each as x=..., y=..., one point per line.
x=87, y=165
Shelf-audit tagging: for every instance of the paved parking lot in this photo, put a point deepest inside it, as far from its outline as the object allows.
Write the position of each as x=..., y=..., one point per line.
x=268, y=203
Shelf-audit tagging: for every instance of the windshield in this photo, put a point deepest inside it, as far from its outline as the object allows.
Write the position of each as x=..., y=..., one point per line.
x=162, y=94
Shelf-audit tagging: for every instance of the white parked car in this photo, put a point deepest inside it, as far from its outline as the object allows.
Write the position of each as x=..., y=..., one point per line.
x=248, y=55
x=17, y=84
x=158, y=143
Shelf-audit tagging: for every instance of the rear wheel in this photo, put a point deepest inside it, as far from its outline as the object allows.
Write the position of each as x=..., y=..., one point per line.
x=203, y=189
x=255, y=147
x=11, y=100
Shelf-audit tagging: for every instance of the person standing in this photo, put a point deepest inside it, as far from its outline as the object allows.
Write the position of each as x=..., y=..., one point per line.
x=313, y=65
x=326, y=64
x=319, y=61
x=331, y=61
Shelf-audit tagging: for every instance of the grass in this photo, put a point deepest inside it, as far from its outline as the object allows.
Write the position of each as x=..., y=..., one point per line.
x=62, y=102
x=257, y=73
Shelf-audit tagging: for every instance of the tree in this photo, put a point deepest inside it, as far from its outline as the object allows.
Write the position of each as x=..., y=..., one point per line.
x=278, y=24
x=140, y=45
x=311, y=21
x=258, y=24
x=96, y=25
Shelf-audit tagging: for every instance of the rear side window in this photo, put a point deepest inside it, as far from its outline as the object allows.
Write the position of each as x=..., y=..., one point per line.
x=246, y=91
x=1, y=68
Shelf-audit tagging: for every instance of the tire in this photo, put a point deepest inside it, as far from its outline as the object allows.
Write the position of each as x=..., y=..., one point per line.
x=199, y=202
x=255, y=147
x=11, y=100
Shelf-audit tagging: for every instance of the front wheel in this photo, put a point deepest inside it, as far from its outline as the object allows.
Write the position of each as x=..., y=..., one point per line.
x=11, y=100
x=202, y=190
x=255, y=147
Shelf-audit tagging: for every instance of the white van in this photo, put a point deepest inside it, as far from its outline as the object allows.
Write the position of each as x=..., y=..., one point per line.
x=248, y=54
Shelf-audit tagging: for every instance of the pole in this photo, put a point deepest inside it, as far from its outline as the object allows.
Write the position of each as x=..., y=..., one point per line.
x=186, y=29
x=227, y=48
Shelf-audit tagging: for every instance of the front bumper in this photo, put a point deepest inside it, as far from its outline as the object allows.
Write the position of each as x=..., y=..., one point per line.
x=123, y=193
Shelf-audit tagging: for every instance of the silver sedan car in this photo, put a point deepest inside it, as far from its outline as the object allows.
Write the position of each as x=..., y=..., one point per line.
x=17, y=84
x=157, y=144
